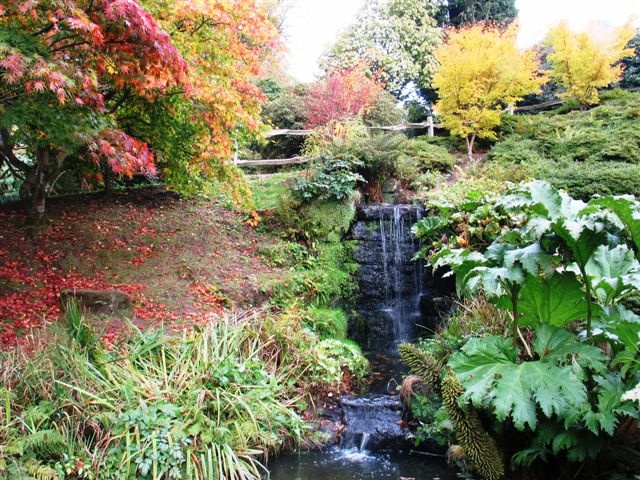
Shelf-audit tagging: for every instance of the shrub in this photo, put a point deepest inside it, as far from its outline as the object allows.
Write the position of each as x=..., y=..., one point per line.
x=421, y=157
x=610, y=132
x=328, y=322
x=585, y=179
x=325, y=277
x=335, y=356
x=375, y=154
x=515, y=150
x=385, y=111
x=334, y=179
x=561, y=272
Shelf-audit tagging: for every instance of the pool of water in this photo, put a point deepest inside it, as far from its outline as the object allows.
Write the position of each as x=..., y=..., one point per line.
x=353, y=464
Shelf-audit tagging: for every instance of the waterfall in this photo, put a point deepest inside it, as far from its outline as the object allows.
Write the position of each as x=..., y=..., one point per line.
x=391, y=283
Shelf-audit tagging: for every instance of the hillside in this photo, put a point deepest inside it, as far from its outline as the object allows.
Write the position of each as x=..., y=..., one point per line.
x=178, y=259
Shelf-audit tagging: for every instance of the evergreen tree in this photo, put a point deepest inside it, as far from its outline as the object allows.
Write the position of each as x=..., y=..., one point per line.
x=466, y=12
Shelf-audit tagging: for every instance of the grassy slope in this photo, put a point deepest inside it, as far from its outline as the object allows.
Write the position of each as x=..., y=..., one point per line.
x=179, y=256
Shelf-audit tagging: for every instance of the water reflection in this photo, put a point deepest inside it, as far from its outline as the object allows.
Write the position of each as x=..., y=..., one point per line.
x=354, y=464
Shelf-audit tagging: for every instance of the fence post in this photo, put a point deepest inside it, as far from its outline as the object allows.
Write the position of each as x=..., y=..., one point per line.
x=430, y=125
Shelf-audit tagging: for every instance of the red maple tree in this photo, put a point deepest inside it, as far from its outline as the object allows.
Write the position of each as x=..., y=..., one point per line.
x=340, y=95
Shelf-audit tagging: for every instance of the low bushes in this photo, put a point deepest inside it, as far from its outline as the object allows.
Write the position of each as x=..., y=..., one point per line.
x=204, y=405
x=585, y=179
x=586, y=153
x=421, y=156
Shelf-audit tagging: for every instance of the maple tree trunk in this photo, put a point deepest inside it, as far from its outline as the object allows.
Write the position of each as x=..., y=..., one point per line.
x=470, y=142
x=108, y=179
x=39, y=183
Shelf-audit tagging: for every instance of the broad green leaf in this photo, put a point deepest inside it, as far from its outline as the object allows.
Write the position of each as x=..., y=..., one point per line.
x=555, y=300
x=628, y=211
x=533, y=259
x=613, y=272
x=579, y=240
x=494, y=281
x=430, y=227
x=561, y=347
x=461, y=262
x=542, y=199
x=489, y=370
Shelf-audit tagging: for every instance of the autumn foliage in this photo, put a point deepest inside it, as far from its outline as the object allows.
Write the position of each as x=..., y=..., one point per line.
x=341, y=95
x=481, y=72
x=582, y=64
x=68, y=68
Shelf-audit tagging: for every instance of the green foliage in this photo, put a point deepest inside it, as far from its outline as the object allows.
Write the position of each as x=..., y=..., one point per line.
x=631, y=74
x=489, y=369
x=583, y=180
x=314, y=364
x=323, y=278
x=421, y=157
x=334, y=357
x=268, y=190
x=385, y=111
x=285, y=110
x=158, y=407
x=328, y=322
x=470, y=184
x=475, y=317
x=334, y=179
x=283, y=254
x=395, y=39
x=458, y=13
x=557, y=266
x=585, y=153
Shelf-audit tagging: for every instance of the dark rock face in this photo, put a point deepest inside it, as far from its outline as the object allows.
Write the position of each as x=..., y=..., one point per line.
x=373, y=422
x=97, y=301
x=396, y=299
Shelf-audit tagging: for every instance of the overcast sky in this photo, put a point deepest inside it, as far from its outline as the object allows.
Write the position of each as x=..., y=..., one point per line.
x=312, y=25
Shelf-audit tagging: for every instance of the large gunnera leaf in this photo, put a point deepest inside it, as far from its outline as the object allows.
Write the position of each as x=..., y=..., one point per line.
x=556, y=300
x=489, y=370
x=627, y=210
x=613, y=272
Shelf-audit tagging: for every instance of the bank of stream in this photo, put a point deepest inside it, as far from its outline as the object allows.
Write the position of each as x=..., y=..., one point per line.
x=396, y=303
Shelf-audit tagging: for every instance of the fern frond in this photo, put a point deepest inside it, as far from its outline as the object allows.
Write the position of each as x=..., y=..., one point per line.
x=39, y=471
x=45, y=442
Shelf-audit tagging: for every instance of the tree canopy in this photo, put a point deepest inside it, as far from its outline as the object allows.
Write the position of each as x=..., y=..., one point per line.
x=467, y=12
x=103, y=83
x=342, y=94
x=395, y=39
x=481, y=71
x=581, y=64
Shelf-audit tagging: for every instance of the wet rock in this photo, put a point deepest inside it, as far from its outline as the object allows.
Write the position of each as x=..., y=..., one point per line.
x=398, y=298
x=97, y=301
x=373, y=422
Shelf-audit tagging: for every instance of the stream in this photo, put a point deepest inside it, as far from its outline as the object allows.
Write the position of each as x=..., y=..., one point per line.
x=395, y=305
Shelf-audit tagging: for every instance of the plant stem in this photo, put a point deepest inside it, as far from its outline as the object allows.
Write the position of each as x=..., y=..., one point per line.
x=587, y=296
x=514, y=312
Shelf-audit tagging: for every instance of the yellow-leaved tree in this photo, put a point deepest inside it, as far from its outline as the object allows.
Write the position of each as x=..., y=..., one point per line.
x=581, y=63
x=482, y=71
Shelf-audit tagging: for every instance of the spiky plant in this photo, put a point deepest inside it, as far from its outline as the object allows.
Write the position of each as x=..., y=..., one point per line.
x=422, y=363
x=480, y=450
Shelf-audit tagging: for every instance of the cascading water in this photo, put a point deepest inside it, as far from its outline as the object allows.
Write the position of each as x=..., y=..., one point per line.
x=391, y=283
x=393, y=301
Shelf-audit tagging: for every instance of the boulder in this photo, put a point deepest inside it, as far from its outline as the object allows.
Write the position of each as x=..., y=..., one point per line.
x=97, y=301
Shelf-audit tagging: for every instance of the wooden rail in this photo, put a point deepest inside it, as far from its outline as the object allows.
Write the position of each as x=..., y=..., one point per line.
x=392, y=128
x=272, y=162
